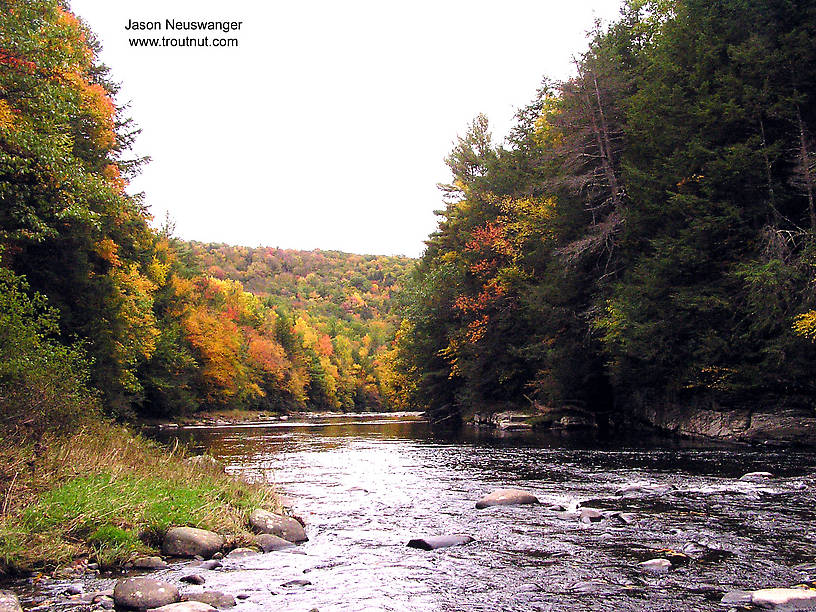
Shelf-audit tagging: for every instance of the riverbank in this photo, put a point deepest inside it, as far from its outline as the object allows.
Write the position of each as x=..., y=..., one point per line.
x=785, y=426
x=105, y=495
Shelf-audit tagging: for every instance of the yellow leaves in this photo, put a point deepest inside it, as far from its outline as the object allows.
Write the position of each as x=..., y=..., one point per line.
x=547, y=134
x=805, y=325
x=6, y=116
x=107, y=249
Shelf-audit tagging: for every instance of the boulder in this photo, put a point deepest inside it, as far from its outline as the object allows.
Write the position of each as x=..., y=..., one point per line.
x=192, y=579
x=655, y=566
x=507, y=497
x=434, y=542
x=282, y=526
x=784, y=599
x=183, y=606
x=149, y=563
x=269, y=543
x=192, y=542
x=216, y=599
x=9, y=602
x=140, y=593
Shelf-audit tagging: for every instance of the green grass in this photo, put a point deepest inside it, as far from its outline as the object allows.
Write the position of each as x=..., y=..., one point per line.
x=110, y=495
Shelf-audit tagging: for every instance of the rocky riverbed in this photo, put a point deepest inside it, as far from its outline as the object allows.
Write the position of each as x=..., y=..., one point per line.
x=559, y=526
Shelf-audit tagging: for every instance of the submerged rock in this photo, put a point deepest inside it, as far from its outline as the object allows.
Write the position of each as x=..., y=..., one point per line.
x=140, y=593
x=216, y=599
x=269, y=543
x=192, y=579
x=507, y=497
x=434, y=542
x=192, y=542
x=149, y=563
x=9, y=602
x=240, y=553
x=655, y=566
x=282, y=526
x=784, y=599
x=299, y=583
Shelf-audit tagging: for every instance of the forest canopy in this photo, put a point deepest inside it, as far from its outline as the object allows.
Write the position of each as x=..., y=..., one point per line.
x=646, y=232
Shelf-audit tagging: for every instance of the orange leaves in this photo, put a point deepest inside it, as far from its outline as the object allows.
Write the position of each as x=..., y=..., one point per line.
x=324, y=346
x=107, y=249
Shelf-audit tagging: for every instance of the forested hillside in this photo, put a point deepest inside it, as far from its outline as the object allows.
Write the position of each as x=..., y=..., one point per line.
x=345, y=286
x=645, y=234
x=152, y=325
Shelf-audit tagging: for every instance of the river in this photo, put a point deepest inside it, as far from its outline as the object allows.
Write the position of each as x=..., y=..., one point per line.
x=366, y=484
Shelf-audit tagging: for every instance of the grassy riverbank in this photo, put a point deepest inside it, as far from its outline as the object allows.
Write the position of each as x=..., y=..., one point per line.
x=107, y=494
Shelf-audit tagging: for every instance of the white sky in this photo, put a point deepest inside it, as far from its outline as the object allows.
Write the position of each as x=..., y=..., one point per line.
x=327, y=127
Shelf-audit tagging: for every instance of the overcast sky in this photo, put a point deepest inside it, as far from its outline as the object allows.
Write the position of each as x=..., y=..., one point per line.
x=328, y=125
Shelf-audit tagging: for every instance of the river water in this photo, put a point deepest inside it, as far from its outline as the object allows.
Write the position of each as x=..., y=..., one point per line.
x=367, y=484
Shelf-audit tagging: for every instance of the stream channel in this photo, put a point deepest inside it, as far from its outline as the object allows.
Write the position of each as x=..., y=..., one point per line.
x=367, y=484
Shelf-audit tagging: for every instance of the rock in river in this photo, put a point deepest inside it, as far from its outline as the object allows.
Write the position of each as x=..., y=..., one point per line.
x=190, y=542
x=9, y=602
x=282, y=526
x=216, y=599
x=591, y=515
x=268, y=542
x=756, y=476
x=184, y=606
x=149, y=563
x=241, y=553
x=434, y=542
x=656, y=566
x=784, y=599
x=141, y=593
x=506, y=497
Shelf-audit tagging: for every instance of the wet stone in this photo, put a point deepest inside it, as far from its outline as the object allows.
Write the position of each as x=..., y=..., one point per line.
x=136, y=593
x=184, y=606
x=192, y=542
x=212, y=564
x=284, y=527
x=216, y=599
x=268, y=542
x=507, y=497
x=240, y=553
x=784, y=599
x=756, y=476
x=736, y=598
x=192, y=579
x=434, y=542
x=299, y=583
x=590, y=515
x=9, y=602
x=655, y=566
x=149, y=563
